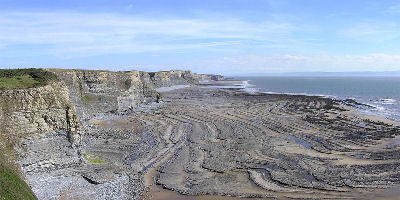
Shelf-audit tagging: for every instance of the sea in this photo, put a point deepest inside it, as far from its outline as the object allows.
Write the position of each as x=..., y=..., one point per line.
x=382, y=93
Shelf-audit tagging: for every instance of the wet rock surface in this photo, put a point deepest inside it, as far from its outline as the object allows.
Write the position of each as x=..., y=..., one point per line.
x=273, y=145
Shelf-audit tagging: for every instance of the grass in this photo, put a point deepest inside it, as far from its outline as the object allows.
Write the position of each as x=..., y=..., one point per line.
x=12, y=186
x=24, y=78
x=93, y=159
x=17, y=82
x=87, y=98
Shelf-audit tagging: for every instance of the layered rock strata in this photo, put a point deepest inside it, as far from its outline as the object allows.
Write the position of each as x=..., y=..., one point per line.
x=97, y=93
x=274, y=146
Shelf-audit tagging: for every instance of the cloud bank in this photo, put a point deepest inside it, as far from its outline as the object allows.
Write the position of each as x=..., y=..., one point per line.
x=251, y=64
x=77, y=34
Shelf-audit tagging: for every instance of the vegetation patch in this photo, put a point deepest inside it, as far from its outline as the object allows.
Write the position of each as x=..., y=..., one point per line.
x=128, y=84
x=94, y=159
x=86, y=98
x=24, y=78
x=12, y=186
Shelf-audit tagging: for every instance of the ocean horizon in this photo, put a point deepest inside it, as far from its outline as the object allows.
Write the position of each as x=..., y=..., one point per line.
x=380, y=92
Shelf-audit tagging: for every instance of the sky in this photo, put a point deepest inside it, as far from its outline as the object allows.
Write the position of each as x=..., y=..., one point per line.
x=229, y=37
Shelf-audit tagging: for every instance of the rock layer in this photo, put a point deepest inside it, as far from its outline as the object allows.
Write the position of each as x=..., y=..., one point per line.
x=26, y=112
x=291, y=146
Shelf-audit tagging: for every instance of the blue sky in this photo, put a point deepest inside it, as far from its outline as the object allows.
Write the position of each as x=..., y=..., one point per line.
x=220, y=36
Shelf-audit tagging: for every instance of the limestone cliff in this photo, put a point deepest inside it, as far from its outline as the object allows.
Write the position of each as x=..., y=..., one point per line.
x=81, y=95
x=206, y=77
x=42, y=112
x=169, y=78
x=95, y=92
x=25, y=112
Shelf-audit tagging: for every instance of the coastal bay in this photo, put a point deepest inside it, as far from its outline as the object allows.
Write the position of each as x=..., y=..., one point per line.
x=214, y=141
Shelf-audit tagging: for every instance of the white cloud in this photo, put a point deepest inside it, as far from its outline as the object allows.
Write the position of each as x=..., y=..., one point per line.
x=394, y=9
x=78, y=34
x=295, y=63
x=373, y=31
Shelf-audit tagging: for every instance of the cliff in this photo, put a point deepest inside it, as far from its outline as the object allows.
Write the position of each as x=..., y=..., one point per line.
x=103, y=92
x=205, y=77
x=80, y=95
x=44, y=128
x=25, y=112
x=169, y=78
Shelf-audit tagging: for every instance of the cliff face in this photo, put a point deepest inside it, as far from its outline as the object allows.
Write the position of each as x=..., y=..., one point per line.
x=98, y=92
x=168, y=78
x=81, y=95
x=103, y=92
x=25, y=112
x=43, y=117
x=205, y=77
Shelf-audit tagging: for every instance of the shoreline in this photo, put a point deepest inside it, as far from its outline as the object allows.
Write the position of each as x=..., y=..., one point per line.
x=350, y=103
x=249, y=88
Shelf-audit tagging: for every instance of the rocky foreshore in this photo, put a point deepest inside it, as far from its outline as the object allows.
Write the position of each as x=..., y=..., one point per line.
x=200, y=142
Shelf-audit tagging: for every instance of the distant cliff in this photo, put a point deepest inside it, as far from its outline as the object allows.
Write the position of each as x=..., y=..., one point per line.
x=204, y=77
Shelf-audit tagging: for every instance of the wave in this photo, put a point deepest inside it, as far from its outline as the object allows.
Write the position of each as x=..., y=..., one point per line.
x=387, y=101
x=378, y=107
x=242, y=85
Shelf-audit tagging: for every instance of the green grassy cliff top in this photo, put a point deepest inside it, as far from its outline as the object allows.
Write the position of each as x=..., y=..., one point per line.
x=24, y=78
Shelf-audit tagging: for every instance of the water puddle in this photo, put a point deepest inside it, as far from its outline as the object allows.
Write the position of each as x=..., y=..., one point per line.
x=289, y=117
x=360, y=155
x=265, y=174
x=365, y=136
x=304, y=143
x=271, y=166
x=257, y=122
x=310, y=178
x=395, y=143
